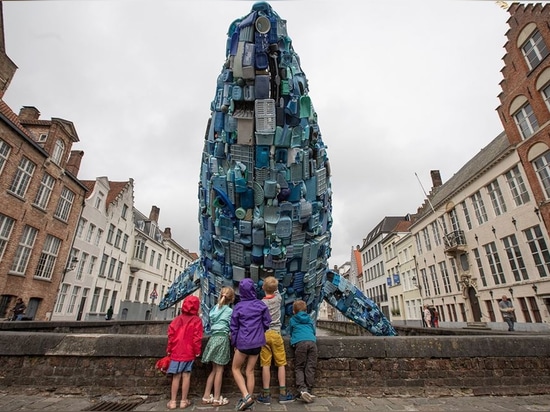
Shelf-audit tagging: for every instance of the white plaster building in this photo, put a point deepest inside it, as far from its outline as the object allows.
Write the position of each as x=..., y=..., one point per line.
x=98, y=265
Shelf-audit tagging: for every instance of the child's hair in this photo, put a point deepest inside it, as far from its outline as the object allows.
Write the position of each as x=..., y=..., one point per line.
x=270, y=284
x=227, y=296
x=299, y=306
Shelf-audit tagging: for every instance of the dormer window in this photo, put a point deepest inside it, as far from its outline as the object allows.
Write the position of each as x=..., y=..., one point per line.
x=42, y=137
x=58, y=151
x=534, y=50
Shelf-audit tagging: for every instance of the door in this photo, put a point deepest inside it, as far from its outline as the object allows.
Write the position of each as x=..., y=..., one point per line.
x=474, y=304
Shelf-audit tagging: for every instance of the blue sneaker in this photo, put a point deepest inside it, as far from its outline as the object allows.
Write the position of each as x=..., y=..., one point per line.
x=287, y=398
x=264, y=399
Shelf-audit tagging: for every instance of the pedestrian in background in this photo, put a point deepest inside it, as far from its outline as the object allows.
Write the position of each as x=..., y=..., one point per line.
x=507, y=310
x=184, y=346
x=218, y=350
x=427, y=316
x=249, y=321
x=303, y=340
x=19, y=309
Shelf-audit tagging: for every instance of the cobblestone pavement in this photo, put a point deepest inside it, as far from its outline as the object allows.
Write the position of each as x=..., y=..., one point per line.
x=14, y=402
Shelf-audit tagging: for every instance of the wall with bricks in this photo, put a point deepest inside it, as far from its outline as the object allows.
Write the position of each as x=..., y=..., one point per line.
x=122, y=364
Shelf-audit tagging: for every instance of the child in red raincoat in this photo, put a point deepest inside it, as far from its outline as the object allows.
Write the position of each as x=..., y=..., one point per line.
x=184, y=345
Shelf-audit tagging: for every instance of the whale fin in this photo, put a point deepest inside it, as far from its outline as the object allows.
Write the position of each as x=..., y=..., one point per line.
x=354, y=305
x=184, y=285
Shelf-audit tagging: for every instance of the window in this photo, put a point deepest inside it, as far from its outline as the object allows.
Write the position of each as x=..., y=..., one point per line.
x=495, y=194
x=112, y=266
x=6, y=226
x=479, y=208
x=152, y=258
x=72, y=301
x=138, y=291
x=466, y=215
x=103, y=265
x=517, y=186
x=42, y=137
x=61, y=298
x=534, y=50
x=539, y=250
x=424, y=277
x=129, y=287
x=453, y=217
x=80, y=227
x=542, y=168
x=494, y=263
x=435, y=281
x=90, y=233
x=514, y=258
x=117, y=238
x=124, y=242
x=93, y=261
x=426, y=235
x=58, y=151
x=110, y=234
x=526, y=121
x=4, y=154
x=445, y=276
x=418, y=244
x=24, y=250
x=139, y=249
x=64, y=205
x=81, y=265
x=477, y=257
x=545, y=96
x=44, y=191
x=98, y=237
x=119, y=271
x=104, y=301
x=95, y=299
x=159, y=258
x=99, y=200
x=48, y=257
x=22, y=178
x=124, y=211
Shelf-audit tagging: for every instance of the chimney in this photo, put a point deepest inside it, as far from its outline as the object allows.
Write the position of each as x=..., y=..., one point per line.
x=168, y=233
x=73, y=165
x=436, y=178
x=154, y=215
x=29, y=113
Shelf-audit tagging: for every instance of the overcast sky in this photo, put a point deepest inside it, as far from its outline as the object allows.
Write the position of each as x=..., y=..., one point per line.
x=400, y=87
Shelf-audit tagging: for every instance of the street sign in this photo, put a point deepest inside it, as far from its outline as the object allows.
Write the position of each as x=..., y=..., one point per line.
x=154, y=294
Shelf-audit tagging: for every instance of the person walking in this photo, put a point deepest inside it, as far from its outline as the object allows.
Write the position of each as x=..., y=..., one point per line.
x=249, y=321
x=507, y=310
x=184, y=346
x=218, y=350
x=274, y=349
x=303, y=340
x=109, y=314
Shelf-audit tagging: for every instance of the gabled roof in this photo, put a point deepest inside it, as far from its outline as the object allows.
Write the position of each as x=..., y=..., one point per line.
x=115, y=189
x=14, y=119
x=491, y=154
x=385, y=226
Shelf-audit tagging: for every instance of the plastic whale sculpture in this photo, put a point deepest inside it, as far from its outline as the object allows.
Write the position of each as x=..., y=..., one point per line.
x=265, y=198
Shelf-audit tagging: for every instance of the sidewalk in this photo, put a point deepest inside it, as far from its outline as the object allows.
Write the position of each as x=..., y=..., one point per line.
x=47, y=402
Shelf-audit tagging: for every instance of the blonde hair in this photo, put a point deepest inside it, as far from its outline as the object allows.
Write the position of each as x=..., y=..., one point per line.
x=299, y=306
x=270, y=284
x=227, y=296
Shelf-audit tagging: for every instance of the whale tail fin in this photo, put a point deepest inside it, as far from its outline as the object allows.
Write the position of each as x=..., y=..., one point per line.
x=354, y=305
x=185, y=284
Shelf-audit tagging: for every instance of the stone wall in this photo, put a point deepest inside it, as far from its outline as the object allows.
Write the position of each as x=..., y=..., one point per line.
x=123, y=364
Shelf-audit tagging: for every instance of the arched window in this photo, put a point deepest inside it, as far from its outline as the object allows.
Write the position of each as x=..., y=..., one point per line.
x=58, y=151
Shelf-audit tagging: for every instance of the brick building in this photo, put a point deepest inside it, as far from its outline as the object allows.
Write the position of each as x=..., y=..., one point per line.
x=41, y=199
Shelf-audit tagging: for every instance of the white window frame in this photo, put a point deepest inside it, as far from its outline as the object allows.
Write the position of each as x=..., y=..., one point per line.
x=44, y=191
x=58, y=151
x=497, y=200
x=24, y=250
x=64, y=205
x=526, y=121
x=534, y=50
x=6, y=227
x=48, y=258
x=517, y=186
x=22, y=178
x=542, y=168
x=5, y=150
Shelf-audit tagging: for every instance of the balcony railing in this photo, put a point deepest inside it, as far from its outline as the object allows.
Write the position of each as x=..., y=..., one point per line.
x=455, y=241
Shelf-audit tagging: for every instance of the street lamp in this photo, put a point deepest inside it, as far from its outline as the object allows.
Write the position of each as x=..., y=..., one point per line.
x=72, y=265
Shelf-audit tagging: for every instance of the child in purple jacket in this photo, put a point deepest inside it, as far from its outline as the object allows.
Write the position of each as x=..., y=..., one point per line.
x=249, y=321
